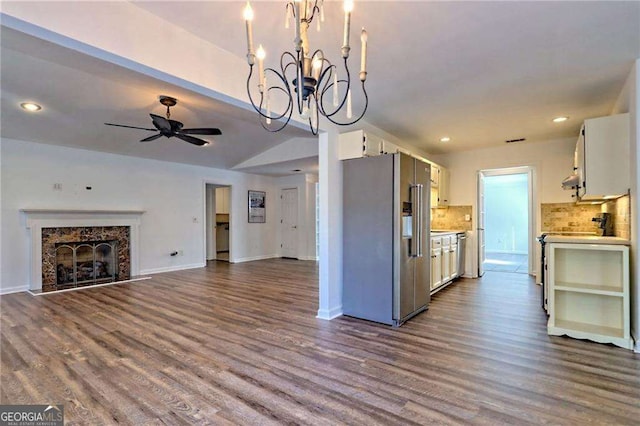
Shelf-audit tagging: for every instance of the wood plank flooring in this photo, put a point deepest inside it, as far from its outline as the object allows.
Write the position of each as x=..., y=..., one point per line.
x=240, y=344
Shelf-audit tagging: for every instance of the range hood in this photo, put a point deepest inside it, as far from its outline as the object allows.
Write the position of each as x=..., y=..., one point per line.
x=571, y=182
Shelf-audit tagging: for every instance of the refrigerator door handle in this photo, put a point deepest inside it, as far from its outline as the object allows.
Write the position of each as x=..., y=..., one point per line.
x=413, y=248
x=416, y=240
x=420, y=219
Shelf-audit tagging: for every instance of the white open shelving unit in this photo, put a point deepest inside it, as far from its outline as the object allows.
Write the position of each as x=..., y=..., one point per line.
x=589, y=292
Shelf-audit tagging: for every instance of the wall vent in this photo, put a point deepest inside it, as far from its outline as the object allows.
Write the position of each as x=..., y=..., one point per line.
x=515, y=140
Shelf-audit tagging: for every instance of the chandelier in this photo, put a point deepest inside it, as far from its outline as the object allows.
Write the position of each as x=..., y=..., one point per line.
x=307, y=78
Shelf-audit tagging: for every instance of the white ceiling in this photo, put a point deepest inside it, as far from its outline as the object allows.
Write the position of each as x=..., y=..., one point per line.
x=479, y=72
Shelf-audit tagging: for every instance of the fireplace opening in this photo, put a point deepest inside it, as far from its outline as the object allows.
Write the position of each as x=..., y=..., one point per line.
x=86, y=263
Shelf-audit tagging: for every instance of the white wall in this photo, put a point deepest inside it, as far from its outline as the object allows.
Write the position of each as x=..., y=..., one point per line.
x=305, y=184
x=552, y=161
x=171, y=194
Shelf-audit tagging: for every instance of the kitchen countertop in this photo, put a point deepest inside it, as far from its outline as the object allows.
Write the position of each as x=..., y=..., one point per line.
x=586, y=239
x=441, y=232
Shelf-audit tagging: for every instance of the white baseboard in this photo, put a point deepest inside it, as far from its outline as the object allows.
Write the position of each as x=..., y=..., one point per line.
x=314, y=258
x=172, y=268
x=329, y=314
x=251, y=259
x=15, y=289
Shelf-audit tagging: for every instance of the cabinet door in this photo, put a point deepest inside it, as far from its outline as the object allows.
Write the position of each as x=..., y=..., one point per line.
x=446, y=259
x=443, y=187
x=579, y=163
x=453, y=261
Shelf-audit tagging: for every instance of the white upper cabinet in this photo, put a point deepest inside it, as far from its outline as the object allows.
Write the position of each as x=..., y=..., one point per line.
x=359, y=144
x=602, y=157
x=439, y=186
x=223, y=200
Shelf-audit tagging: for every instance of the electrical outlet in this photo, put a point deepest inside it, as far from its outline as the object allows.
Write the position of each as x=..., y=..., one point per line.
x=195, y=219
x=467, y=217
x=57, y=187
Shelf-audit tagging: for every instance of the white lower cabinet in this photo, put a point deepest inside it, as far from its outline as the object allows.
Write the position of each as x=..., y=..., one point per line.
x=436, y=262
x=444, y=261
x=589, y=292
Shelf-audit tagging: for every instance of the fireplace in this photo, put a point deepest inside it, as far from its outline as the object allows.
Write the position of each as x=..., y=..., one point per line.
x=84, y=255
x=86, y=263
x=78, y=248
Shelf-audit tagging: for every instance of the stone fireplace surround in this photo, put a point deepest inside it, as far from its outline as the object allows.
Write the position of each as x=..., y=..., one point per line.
x=37, y=219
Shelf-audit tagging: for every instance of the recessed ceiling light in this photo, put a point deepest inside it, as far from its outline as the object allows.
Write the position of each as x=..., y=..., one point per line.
x=30, y=106
x=560, y=119
x=445, y=139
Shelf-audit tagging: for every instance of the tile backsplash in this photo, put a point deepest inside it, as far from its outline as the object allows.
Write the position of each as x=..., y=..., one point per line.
x=452, y=217
x=569, y=217
x=572, y=217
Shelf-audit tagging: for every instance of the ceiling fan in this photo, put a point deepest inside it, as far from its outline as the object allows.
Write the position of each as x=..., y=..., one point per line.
x=171, y=128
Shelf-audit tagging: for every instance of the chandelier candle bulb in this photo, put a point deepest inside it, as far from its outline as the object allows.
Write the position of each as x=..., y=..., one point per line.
x=322, y=11
x=349, y=110
x=336, y=94
x=248, y=17
x=363, y=58
x=348, y=7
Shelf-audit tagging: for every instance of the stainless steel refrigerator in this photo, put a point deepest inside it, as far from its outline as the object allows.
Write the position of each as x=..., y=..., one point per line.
x=386, y=263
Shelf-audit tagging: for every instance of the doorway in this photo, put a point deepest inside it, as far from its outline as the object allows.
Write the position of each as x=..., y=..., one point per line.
x=506, y=220
x=218, y=221
x=289, y=222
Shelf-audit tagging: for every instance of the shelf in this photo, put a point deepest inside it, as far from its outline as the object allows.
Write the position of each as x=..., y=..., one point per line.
x=568, y=326
x=605, y=290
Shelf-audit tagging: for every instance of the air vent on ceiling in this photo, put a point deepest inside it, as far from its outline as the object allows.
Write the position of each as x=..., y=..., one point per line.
x=515, y=140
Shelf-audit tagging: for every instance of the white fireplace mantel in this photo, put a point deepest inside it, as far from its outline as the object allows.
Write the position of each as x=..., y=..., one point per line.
x=36, y=219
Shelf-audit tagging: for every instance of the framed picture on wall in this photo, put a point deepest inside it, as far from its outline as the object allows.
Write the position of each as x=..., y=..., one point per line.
x=257, y=212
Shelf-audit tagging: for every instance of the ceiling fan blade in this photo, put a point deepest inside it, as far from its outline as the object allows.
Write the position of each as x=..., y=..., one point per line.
x=192, y=140
x=151, y=138
x=203, y=131
x=161, y=123
x=129, y=127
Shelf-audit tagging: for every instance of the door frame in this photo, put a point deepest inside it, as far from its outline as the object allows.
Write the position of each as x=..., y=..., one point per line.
x=216, y=184
x=532, y=207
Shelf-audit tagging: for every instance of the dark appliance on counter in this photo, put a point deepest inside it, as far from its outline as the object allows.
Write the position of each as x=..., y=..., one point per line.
x=605, y=224
x=386, y=264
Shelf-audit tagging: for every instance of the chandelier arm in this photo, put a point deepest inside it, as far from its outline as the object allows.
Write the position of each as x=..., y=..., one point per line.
x=258, y=108
x=330, y=85
x=288, y=111
x=366, y=104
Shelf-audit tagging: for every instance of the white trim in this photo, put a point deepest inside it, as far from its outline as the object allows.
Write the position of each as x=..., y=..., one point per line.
x=36, y=219
x=88, y=286
x=329, y=314
x=251, y=259
x=16, y=289
x=172, y=268
x=310, y=258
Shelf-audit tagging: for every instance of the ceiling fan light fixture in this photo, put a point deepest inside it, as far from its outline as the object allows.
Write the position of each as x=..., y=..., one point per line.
x=30, y=106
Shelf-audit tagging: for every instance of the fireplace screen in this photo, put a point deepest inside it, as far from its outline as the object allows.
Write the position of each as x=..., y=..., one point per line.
x=86, y=263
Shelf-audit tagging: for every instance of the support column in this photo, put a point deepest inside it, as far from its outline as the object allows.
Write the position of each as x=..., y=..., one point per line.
x=330, y=288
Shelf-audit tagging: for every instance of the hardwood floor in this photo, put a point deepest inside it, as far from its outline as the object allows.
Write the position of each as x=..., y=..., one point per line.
x=240, y=344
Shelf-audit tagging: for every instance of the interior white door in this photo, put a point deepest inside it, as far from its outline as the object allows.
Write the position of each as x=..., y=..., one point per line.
x=480, y=229
x=289, y=222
